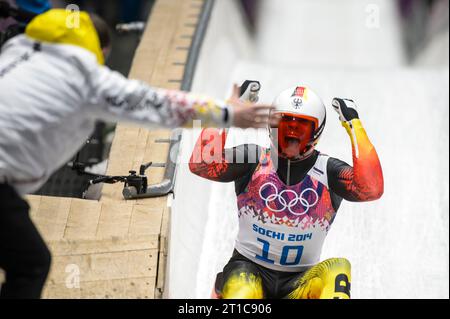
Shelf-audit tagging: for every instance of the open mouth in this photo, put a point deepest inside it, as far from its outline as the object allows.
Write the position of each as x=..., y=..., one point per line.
x=292, y=145
x=292, y=140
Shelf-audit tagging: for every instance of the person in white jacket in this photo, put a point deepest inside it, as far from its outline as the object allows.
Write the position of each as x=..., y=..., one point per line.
x=53, y=87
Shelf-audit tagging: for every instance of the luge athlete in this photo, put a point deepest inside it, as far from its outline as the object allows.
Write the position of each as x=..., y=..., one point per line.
x=288, y=198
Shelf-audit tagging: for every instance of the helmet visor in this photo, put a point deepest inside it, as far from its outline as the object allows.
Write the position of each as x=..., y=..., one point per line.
x=295, y=132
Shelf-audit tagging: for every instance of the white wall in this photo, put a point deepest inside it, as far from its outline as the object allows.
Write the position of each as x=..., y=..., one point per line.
x=324, y=33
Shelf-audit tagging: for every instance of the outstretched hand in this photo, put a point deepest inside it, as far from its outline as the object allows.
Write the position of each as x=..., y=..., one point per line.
x=247, y=114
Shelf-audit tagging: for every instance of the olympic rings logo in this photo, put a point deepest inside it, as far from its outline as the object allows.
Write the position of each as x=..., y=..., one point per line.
x=285, y=205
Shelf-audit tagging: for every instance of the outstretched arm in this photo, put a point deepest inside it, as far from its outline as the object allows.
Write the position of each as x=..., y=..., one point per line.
x=113, y=97
x=212, y=161
x=363, y=181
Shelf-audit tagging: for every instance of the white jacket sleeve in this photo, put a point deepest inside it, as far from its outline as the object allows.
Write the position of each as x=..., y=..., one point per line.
x=116, y=98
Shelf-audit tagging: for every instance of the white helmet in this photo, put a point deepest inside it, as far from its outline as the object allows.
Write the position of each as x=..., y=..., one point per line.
x=303, y=117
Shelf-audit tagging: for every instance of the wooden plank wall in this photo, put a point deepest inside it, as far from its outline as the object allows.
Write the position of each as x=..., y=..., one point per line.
x=115, y=248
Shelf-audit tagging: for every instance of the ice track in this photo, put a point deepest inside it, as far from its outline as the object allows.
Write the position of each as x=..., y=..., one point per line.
x=398, y=246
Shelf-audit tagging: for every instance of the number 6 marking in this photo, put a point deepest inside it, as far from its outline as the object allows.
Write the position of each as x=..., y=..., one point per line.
x=342, y=278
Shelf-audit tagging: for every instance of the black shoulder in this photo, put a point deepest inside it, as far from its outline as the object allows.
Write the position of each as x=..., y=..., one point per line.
x=252, y=154
x=334, y=169
x=246, y=153
x=335, y=165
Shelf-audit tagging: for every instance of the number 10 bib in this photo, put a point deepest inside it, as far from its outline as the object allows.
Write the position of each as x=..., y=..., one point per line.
x=284, y=227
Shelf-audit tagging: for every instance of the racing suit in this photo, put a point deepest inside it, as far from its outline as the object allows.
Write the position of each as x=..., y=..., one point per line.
x=285, y=211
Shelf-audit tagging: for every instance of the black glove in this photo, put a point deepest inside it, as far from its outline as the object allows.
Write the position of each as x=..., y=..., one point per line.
x=249, y=91
x=346, y=109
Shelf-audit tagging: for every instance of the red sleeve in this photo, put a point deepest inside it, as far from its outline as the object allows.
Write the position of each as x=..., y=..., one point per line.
x=364, y=181
x=212, y=161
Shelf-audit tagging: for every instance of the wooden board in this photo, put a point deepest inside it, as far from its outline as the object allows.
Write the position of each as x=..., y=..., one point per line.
x=116, y=248
x=132, y=288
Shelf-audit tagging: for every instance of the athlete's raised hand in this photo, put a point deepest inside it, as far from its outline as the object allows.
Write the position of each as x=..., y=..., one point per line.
x=346, y=109
x=246, y=114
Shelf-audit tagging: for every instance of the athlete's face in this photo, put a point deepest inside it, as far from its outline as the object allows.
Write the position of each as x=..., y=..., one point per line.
x=293, y=134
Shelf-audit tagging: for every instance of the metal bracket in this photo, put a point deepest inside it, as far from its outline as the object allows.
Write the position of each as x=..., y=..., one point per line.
x=167, y=184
